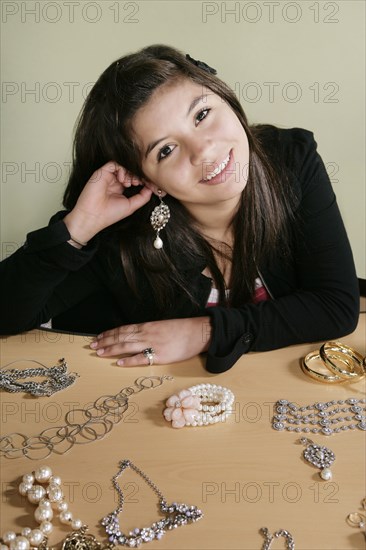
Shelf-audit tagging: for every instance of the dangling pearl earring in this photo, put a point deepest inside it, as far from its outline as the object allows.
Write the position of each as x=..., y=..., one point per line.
x=159, y=218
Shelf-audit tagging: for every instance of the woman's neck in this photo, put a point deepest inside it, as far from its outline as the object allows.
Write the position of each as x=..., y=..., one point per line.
x=215, y=221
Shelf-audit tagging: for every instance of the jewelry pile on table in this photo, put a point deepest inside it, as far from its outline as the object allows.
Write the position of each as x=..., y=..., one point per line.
x=45, y=490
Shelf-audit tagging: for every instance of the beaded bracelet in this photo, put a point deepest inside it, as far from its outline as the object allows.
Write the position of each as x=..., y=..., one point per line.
x=199, y=405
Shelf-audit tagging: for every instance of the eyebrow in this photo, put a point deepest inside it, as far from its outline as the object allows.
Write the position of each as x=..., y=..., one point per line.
x=153, y=144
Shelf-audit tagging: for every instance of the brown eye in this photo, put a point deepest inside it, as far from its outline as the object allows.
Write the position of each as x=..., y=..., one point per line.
x=164, y=152
x=202, y=114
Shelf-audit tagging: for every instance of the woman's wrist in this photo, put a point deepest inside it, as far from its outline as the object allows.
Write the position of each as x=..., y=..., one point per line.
x=80, y=228
x=204, y=329
x=76, y=244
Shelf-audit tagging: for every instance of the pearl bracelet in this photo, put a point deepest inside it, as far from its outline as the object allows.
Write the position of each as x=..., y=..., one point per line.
x=199, y=405
x=47, y=498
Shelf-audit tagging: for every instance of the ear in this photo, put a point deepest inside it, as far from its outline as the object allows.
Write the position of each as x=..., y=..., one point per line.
x=154, y=188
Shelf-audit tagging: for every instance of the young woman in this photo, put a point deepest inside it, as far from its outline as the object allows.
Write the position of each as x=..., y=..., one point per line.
x=186, y=230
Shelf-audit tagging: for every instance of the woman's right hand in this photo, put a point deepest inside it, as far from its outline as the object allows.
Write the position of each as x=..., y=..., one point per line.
x=102, y=202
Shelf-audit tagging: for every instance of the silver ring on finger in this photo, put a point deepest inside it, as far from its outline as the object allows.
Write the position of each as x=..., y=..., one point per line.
x=149, y=353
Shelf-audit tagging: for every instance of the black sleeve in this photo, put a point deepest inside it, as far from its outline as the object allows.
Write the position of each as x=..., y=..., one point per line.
x=324, y=303
x=29, y=277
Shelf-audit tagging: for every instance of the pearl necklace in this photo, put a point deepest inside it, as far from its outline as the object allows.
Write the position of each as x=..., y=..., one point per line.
x=48, y=497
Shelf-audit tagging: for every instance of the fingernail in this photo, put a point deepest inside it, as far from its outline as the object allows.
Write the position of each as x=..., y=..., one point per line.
x=94, y=345
x=99, y=336
x=100, y=351
x=120, y=362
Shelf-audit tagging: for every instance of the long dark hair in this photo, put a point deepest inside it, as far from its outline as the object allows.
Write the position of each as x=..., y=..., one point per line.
x=104, y=132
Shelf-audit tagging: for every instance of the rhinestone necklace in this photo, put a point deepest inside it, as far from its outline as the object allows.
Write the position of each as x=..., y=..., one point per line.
x=320, y=418
x=175, y=514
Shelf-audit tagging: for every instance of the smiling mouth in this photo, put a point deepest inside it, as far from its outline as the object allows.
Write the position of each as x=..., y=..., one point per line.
x=213, y=176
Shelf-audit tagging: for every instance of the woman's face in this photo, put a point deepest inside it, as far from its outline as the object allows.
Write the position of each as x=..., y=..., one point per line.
x=193, y=145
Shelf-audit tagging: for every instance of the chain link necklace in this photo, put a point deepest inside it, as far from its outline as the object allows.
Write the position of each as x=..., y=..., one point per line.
x=56, y=378
x=99, y=419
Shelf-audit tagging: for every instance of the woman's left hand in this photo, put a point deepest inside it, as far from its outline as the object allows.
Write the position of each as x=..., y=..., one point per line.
x=172, y=340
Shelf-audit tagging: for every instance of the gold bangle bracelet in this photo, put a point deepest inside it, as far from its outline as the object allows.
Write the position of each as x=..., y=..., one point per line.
x=343, y=354
x=339, y=357
x=316, y=375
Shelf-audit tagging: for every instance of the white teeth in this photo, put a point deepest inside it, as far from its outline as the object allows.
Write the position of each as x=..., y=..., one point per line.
x=217, y=170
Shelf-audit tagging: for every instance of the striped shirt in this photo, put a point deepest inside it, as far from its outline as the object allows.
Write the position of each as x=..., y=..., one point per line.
x=260, y=294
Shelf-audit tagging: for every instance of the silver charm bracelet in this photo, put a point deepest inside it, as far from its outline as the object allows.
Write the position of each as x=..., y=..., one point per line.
x=57, y=379
x=320, y=418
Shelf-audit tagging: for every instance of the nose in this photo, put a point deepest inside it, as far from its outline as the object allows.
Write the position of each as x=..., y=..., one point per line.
x=201, y=150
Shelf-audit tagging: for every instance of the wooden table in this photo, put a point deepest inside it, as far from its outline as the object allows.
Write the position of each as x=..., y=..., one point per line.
x=242, y=473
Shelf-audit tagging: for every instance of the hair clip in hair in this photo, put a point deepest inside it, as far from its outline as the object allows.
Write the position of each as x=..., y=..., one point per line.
x=201, y=65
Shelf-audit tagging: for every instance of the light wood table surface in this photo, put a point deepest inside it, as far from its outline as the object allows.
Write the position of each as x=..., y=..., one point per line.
x=243, y=474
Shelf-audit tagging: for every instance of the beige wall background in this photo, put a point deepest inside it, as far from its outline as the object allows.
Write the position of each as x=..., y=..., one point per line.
x=291, y=63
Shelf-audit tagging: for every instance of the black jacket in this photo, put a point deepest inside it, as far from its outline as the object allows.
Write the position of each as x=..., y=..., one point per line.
x=314, y=291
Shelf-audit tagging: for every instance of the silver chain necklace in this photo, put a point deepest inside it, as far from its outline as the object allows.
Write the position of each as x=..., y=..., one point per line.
x=320, y=418
x=96, y=421
x=56, y=379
